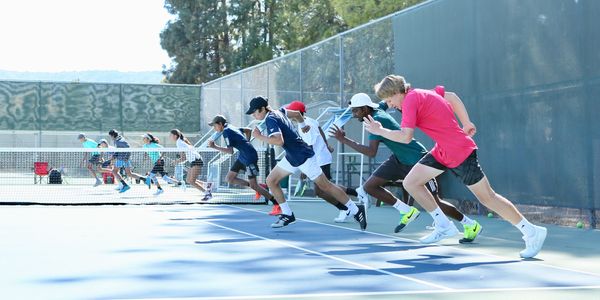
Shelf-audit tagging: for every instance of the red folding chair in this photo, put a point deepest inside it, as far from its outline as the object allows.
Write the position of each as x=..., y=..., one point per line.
x=40, y=171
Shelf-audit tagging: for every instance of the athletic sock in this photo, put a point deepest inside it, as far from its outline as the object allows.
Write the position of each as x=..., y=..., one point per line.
x=352, y=208
x=285, y=209
x=526, y=228
x=341, y=206
x=467, y=221
x=401, y=207
x=272, y=199
x=440, y=218
x=123, y=182
x=351, y=192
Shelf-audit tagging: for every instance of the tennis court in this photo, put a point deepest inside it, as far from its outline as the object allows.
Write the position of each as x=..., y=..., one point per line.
x=230, y=252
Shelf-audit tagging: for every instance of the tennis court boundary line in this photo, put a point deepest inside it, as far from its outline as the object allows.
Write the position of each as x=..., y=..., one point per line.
x=345, y=261
x=390, y=293
x=417, y=242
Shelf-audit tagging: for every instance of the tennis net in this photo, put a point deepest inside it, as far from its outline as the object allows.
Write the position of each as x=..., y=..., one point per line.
x=60, y=176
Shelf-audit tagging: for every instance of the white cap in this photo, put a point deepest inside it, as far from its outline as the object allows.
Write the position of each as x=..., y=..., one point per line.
x=362, y=99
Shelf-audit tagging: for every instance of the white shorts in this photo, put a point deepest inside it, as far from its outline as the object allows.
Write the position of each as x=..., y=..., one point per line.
x=310, y=167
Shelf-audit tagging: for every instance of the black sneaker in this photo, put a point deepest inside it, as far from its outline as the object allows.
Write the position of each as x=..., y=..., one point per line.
x=284, y=220
x=361, y=217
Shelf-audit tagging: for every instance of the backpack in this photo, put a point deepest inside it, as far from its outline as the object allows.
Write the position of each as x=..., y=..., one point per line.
x=54, y=177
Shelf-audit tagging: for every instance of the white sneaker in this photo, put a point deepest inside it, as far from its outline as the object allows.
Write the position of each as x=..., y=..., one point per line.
x=341, y=217
x=183, y=186
x=158, y=192
x=98, y=182
x=119, y=187
x=439, y=234
x=533, y=244
x=363, y=197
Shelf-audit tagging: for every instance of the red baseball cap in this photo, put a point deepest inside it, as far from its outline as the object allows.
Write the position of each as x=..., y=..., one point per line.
x=297, y=106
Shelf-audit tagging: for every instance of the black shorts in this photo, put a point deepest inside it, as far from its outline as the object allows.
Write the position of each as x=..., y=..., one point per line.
x=326, y=170
x=197, y=163
x=94, y=159
x=159, y=167
x=469, y=171
x=393, y=170
x=251, y=169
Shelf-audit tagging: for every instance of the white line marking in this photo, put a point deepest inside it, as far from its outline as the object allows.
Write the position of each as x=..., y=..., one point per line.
x=366, y=267
x=415, y=241
x=390, y=293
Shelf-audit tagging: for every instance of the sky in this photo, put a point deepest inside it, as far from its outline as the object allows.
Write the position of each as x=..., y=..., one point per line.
x=82, y=35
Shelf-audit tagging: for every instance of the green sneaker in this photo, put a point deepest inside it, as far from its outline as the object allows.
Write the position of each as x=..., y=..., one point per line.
x=406, y=218
x=471, y=232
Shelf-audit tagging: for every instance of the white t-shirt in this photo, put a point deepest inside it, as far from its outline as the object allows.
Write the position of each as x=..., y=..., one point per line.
x=313, y=137
x=191, y=154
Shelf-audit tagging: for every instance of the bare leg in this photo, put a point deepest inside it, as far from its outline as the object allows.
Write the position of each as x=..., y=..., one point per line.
x=374, y=187
x=335, y=192
x=276, y=175
x=255, y=186
x=92, y=170
x=449, y=209
x=415, y=181
x=193, y=173
x=496, y=202
x=233, y=179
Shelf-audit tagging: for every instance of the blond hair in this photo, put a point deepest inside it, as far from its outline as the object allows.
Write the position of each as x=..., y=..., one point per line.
x=390, y=86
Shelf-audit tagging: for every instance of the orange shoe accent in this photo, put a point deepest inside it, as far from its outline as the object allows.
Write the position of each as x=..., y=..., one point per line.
x=256, y=196
x=275, y=211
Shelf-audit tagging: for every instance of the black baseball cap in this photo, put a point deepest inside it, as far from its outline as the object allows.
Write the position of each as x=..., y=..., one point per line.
x=257, y=103
x=218, y=119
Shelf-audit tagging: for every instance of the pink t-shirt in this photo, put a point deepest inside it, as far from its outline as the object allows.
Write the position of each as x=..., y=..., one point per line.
x=430, y=112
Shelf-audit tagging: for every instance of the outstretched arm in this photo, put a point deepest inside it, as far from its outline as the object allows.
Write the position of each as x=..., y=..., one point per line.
x=404, y=135
x=211, y=144
x=275, y=139
x=330, y=148
x=369, y=151
x=461, y=112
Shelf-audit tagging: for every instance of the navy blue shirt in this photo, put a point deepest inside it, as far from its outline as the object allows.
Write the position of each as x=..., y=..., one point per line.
x=120, y=142
x=296, y=150
x=235, y=138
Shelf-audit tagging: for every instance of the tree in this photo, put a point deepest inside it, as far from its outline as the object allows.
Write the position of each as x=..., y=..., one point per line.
x=358, y=12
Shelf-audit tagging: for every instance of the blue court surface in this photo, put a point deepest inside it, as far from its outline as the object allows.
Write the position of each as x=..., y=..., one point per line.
x=230, y=252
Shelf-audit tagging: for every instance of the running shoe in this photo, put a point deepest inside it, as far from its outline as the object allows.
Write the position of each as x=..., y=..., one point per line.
x=363, y=197
x=124, y=189
x=439, y=234
x=361, y=217
x=276, y=211
x=207, y=196
x=148, y=182
x=158, y=192
x=98, y=182
x=341, y=218
x=534, y=243
x=119, y=187
x=284, y=220
x=407, y=218
x=470, y=232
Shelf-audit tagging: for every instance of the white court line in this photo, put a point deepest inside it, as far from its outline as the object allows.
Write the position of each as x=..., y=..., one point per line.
x=391, y=293
x=415, y=241
x=366, y=267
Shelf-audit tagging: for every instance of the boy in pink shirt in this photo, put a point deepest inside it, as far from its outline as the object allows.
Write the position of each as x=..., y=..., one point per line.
x=434, y=113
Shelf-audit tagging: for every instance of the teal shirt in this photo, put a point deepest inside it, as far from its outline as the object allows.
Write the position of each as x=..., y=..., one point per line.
x=89, y=143
x=154, y=155
x=408, y=154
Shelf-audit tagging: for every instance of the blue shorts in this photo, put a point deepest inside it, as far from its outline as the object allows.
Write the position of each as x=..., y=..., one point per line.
x=122, y=164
